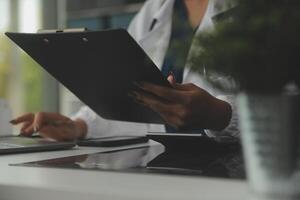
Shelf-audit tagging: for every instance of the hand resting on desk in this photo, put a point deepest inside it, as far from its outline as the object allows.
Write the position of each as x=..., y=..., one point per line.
x=51, y=125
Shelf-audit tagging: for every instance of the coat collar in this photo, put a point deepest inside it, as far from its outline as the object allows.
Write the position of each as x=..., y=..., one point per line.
x=216, y=6
x=161, y=17
x=165, y=12
x=221, y=6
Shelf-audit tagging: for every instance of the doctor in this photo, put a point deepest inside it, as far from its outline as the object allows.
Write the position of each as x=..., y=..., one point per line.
x=192, y=103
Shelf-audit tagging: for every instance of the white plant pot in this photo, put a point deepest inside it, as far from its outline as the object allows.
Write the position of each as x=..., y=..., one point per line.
x=270, y=126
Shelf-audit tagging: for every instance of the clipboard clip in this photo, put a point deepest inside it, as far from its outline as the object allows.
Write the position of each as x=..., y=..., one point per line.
x=69, y=30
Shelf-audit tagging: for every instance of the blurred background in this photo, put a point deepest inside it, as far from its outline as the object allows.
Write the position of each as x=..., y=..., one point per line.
x=26, y=86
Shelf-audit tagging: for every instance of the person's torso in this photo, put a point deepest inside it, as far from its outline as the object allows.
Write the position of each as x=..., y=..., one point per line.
x=152, y=29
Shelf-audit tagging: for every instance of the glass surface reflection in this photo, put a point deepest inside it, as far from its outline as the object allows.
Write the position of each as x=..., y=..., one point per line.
x=155, y=159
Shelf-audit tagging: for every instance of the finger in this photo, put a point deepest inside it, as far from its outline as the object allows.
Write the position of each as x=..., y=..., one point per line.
x=185, y=87
x=169, y=113
x=171, y=79
x=39, y=120
x=171, y=121
x=153, y=102
x=28, y=131
x=23, y=118
x=165, y=111
x=163, y=92
x=25, y=126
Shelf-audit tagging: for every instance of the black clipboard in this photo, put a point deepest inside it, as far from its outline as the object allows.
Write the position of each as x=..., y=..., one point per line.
x=99, y=67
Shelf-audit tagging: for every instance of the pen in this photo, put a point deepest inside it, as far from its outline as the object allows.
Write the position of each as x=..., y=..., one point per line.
x=152, y=24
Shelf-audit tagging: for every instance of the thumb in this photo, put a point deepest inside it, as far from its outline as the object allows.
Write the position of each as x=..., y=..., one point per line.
x=177, y=86
x=171, y=79
x=174, y=84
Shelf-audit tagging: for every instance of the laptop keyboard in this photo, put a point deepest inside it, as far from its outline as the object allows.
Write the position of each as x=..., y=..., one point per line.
x=15, y=144
x=9, y=146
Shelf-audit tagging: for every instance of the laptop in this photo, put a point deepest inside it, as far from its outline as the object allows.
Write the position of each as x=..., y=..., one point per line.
x=19, y=144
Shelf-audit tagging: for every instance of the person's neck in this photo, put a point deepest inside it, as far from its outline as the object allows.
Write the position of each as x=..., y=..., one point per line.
x=196, y=10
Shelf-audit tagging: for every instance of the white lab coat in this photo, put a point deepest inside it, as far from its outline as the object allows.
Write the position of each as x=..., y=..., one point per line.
x=155, y=42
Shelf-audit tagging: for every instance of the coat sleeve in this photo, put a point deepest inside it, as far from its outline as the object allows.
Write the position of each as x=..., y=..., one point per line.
x=233, y=128
x=99, y=127
x=229, y=96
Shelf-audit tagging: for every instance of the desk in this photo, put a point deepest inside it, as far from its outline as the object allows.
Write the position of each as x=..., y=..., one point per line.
x=51, y=183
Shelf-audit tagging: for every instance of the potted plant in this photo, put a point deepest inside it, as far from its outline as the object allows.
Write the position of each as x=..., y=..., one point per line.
x=256, y=45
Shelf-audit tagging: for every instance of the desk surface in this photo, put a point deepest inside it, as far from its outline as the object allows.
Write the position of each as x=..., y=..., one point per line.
x=52, y=183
